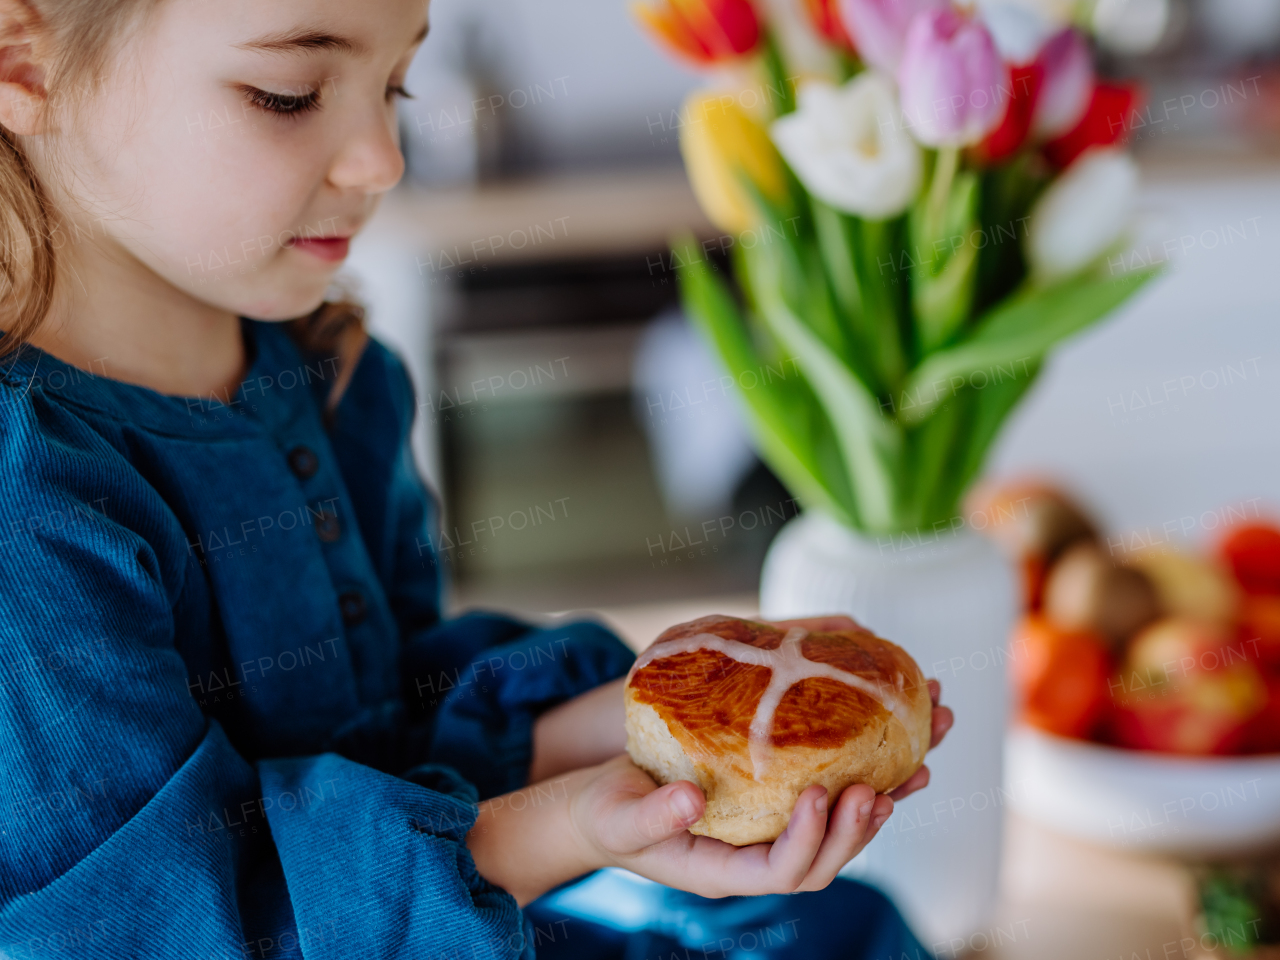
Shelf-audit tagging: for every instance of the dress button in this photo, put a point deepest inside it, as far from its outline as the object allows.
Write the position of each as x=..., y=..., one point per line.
x=353, y=607
x=303, y=462
x=327, y=527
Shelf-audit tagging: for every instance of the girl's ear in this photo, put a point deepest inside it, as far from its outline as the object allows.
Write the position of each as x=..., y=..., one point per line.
x=23, y=97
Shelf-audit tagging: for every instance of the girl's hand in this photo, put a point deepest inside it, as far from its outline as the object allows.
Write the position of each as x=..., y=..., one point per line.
x=581, y=732
x=622, y=818
x=615, y=815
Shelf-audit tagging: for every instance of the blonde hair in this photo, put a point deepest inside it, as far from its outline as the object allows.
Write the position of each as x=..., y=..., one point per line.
x=81, y=33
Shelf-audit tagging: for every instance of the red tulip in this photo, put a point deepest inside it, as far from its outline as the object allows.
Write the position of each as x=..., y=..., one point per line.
x=826, y=20
x=703, y=31
x=1048, y=96
x=1004, y=140
x=1104, y=123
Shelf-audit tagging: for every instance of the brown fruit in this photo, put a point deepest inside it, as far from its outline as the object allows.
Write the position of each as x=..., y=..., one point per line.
x=1190, y=586
x=1032, y=519
x=1086, y=592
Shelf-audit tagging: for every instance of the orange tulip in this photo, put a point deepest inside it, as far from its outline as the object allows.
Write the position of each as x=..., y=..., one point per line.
x=826, y=20
x=703, y=31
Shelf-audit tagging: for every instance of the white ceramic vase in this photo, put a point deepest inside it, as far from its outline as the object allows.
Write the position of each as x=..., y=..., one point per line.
x=948, y=598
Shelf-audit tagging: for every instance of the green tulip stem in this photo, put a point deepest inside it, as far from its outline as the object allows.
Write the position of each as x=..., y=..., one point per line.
x=780, y=83
x=944, y=172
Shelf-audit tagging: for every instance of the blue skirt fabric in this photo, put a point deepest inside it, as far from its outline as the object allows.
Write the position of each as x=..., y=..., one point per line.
x=614, y=915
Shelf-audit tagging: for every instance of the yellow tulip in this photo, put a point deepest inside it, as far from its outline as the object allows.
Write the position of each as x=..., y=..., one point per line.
x=722, y=145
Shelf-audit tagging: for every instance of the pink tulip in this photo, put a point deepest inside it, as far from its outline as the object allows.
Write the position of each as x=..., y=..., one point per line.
x=879, y=27
x=1067, y=69
x=952, y=83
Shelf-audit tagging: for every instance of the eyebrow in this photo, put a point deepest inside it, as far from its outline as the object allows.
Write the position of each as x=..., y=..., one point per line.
x=306, y=41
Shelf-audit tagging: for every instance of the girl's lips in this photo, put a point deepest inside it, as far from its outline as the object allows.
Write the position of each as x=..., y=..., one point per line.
x=331, y=249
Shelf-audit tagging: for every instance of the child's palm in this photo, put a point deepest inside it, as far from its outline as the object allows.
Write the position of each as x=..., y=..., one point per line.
x=642, y=827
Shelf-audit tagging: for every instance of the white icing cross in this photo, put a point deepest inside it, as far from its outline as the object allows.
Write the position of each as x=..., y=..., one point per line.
x=789, y=666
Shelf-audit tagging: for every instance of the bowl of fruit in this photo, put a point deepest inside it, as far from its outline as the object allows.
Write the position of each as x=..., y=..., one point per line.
x=1147, y=682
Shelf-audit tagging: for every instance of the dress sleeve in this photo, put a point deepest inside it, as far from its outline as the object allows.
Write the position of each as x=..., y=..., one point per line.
x=129, y=825
x=482, y=678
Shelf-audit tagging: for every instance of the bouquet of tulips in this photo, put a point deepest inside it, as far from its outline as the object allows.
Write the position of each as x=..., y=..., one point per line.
x=919, y=201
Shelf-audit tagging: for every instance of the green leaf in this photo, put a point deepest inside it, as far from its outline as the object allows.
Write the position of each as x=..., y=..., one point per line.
x=1232, y=912
x=941, y=303
x=929, y=445
x=1016, y=333
x=942, y=284
x=819, y=309
x=779, y=413
x=1007, y=194
x=869, y=443
x=834, y=279
x=990, y=407
x=881, y=284
x=837, y=256
x=780, y=85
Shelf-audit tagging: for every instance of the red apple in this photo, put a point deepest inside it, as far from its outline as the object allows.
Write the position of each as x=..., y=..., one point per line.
x=1259, y=628
x=1253, y=554
x=1186, y=687
x=1262, y=733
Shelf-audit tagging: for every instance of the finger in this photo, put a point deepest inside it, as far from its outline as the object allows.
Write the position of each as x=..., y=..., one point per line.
x=791, y=855
x=935, y=691
x=636, y=822
x=943, y=720
x=846, y=836
x=917, y=781
x=880, y=814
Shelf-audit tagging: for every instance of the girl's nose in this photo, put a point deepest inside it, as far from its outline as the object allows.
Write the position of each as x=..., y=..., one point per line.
x=370, y=160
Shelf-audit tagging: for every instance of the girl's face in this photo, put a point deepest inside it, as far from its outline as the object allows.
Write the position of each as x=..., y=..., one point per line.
x=237, y=145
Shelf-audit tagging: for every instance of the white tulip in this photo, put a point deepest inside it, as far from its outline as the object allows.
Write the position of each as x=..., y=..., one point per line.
x=1055, y=13
x=1083, y=212
x=848, y=148
x=1018, y=30
x=1130, y=26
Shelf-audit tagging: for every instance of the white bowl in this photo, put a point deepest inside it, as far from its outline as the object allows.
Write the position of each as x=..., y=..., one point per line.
x=1143, y=801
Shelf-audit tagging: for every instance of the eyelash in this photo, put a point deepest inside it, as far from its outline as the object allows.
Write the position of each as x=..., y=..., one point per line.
x=294, y=105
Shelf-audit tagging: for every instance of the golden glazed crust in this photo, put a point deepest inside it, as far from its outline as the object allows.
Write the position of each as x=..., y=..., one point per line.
x=754, y=713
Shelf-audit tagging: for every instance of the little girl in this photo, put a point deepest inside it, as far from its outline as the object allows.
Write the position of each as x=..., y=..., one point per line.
x=234, y=722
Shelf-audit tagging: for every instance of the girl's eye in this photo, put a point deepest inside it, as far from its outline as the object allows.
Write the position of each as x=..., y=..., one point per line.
x=398, y=90
x=284, y=104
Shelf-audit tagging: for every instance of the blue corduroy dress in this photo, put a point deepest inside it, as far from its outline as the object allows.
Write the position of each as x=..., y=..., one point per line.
x=233, y=723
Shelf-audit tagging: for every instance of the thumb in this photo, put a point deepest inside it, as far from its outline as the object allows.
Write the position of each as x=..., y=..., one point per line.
x=658, y=815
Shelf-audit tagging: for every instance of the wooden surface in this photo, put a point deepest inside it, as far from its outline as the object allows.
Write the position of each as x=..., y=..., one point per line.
x=1065, y=899
x=583, y=215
